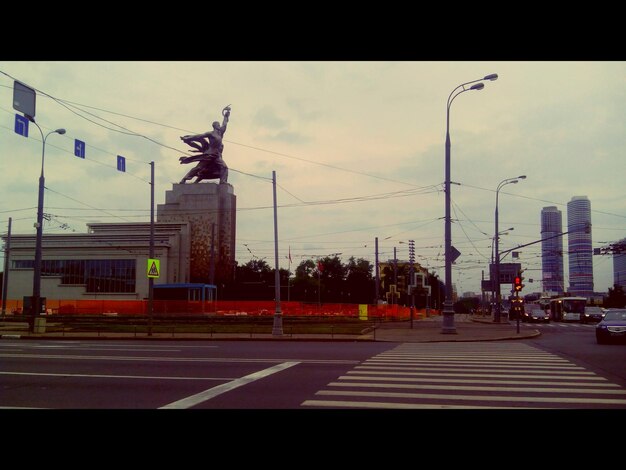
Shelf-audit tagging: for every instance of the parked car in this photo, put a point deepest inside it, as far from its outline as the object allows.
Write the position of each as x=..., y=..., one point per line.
x=536, y=315
x=592, y=314
x=612, y=327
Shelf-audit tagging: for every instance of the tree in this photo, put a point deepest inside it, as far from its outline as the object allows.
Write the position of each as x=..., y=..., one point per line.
x=438, y=291
x=331, y=278
x=359, y=281
x=466, y=305
x=254, y=281
x=340, y=283
x=616, y=297
x=304, y=285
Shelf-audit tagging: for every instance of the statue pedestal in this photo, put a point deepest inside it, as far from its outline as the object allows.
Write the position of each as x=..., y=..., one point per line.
x=210, y=210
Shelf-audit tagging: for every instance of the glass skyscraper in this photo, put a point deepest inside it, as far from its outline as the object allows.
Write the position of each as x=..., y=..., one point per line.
x=552, y=250
x=579, y=246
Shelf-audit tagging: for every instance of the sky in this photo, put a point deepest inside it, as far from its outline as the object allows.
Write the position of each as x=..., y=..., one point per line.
x=357, y=147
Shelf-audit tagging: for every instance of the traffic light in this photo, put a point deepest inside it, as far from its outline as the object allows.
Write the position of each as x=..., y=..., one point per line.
x=517, y=283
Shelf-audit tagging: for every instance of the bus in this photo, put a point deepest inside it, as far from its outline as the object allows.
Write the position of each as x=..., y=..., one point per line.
x=567, y=308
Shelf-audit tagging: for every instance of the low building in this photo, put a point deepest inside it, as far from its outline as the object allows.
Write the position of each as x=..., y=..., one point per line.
x=110, y=261
x=193, y=236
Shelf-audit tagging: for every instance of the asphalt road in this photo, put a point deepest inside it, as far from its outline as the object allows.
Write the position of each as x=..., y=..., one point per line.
x=562, y=369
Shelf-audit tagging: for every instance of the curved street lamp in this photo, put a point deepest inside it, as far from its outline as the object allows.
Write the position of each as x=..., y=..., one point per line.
x=36, y=300
x=502, y=183
x=448, y=309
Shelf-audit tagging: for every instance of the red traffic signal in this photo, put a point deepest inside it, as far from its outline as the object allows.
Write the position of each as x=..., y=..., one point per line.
x=517, y=283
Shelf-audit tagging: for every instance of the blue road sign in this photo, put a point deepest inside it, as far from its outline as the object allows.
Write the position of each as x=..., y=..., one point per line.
x=21, y=125
x=121, y=163
x=79, y=148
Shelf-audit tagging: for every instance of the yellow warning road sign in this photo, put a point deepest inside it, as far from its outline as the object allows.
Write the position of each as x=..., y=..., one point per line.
x=154, y=267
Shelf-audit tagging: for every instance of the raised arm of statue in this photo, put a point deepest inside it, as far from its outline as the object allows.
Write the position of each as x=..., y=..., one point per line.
x=226, y=114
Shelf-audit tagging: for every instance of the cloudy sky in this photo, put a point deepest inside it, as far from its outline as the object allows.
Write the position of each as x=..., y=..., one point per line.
x=358, y=148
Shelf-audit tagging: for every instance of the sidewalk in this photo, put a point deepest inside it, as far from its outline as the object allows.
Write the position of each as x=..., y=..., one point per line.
x=427, y=330
x=468, y=328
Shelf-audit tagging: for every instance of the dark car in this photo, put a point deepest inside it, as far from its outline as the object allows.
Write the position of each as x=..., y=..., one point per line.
x=536, y=315
x=612, y=327
x=592, y=314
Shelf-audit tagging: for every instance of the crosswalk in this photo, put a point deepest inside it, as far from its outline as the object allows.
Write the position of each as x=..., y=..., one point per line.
x=556, y=324
x=467, y=376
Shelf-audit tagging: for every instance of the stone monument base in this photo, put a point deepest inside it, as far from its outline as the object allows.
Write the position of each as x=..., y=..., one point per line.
x=210, y=210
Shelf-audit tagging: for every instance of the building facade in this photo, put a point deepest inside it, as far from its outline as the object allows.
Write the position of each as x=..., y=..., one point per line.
x=580, y=252
x=552, y=250
x=194, y=233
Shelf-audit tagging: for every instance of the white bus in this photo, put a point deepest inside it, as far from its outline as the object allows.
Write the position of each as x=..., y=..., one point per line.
x=567, y=308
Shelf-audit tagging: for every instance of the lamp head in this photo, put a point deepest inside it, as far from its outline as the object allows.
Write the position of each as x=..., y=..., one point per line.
x=522, y=177
x=492, y=77
x=477, y=86
x=60, y=131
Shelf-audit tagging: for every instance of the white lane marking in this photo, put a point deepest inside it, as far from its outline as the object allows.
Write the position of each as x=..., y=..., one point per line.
x=470, y=381
x=109, y=349
x=20, y=408
x=481, y=364
x=125, y=346
x=563, y=371
x=517, y=375
x=437, y=396
x=479, y=388
x=175, y=359
x=107, y=376
x=108, y=344
x=398, y=406
x=215, y=391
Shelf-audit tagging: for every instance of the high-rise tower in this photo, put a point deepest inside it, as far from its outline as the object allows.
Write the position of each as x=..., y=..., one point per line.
x=552, y=250
x=579, y=246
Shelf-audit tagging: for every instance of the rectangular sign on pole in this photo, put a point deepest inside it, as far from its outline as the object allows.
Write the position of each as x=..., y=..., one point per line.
x=24, y=98
x=79, y=148
x=507, y=272
x=21, y=125
x=154, y=268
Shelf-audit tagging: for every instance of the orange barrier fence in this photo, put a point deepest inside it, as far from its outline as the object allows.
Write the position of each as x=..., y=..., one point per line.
x=223, y=307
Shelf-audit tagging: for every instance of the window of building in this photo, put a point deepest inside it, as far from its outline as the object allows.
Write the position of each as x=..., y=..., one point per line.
x=98, y=275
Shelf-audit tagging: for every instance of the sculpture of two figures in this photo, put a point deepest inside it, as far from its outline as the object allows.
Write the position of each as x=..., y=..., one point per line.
x=210, y=145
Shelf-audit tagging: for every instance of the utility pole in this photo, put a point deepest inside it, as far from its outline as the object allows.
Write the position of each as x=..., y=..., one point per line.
x=277, y=329
x=5, y=276
x=151, y=255
x=376, y=293
x=412, y=277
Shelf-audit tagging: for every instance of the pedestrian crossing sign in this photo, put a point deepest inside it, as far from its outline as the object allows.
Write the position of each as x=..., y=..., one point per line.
x=154, y=268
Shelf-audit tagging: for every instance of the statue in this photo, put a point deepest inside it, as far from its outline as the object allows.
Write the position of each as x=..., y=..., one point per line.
x=210, y=145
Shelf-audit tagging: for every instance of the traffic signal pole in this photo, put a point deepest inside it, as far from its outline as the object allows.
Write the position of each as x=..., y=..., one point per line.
x=519, y=314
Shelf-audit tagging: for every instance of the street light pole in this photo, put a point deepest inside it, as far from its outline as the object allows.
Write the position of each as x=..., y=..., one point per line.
x=36, y=300
x=493, y=264
x=448, y=310
x=412, y=277
x=504, y=182
x=277, y=328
